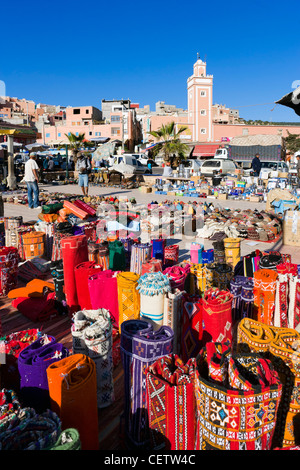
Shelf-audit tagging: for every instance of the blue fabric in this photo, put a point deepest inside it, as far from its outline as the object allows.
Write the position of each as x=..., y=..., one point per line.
x=33, y=194
x=83, y=180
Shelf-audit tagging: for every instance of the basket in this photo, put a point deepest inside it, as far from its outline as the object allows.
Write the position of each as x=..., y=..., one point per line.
x=34, y=244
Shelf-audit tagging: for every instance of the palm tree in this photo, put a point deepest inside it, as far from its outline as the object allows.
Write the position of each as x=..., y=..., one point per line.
x=75, y=143
x=170, y=141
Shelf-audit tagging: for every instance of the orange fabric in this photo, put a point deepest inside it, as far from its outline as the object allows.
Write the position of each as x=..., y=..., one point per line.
x=264, y=295
x=75, y=210
x=73, y=394
x=33, y=288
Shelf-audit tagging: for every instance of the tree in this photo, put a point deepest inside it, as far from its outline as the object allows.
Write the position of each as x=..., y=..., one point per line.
x=292, y=142
x=169, y=141
x=75, y=143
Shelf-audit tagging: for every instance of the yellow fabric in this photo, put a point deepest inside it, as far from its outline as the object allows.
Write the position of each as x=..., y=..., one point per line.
x=128, y=297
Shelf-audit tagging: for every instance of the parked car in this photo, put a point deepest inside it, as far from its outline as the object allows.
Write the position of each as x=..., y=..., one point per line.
x=131, y=163
x=268, y=167
x=193, y=164
x=217, y=166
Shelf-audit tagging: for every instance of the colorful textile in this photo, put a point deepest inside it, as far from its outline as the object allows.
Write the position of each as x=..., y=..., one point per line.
x=32, y=364
x=85, y=207
x=33, y=244
x=207, y=256
x=73, y=386
x=27, y=430
x=68, y=440
x=57, y=273
x=177, y=276
x=191, y=326
x=128, y=297
x=103, y=289
x=171, y=404
x=217, y=315
x=34, y=288
x=172, y=316
x=219, y=251
x=232, y=248
x=152, y=288
x=140, y=253
x=117, y=256
x=9, y=259
x=9, y=404
x=77, y=211
x=140, y=347
x=222, y=275
x=74, y=252
x=158, y=248
x=82, y=273
x=281, y=346
x=270, y=261
x=264, y=295
x=171, y=254
x=241, y=288
x=239, y=413
x=196, y=253
x=37, y=308
x=151, y=266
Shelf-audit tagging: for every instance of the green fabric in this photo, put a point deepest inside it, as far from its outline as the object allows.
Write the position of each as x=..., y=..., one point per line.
x=52, y=208
x=68, y=440
x=117, y=256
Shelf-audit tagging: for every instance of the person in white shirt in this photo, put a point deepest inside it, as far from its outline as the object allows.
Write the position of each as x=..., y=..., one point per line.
x=31, y=177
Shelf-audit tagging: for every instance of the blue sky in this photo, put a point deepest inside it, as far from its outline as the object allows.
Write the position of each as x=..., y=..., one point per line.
x=78, y=53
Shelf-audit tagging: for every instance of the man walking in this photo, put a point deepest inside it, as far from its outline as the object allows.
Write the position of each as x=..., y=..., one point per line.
x=256, y=165
x=83, y=167
x=31, y=177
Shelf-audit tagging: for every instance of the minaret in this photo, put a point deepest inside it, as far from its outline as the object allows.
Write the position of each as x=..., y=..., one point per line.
x=200, y=90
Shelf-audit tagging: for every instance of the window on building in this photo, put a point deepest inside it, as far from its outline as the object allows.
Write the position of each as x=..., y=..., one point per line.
x=78, y=123
x=76, y=111
x=90, y=133
x=203, y=93
x=76, y=133
x=115, y=118
x=97, y=133
x=203, y=112
x=203, y=131
x=59, y=134
x=48, y=134
x=115, y=130
x=86, y=111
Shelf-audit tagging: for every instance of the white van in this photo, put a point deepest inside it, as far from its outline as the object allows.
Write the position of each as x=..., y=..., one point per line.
x=132, y=164
x=218, y=166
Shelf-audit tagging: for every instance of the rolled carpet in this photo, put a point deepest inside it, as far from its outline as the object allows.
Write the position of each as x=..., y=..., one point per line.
x=152, y=288
x=128, y=297
x=217, y=315
x=27, y=430
x=103, y=289
x=68, y=440
x=37, y=308
x=171, y=403
x=73, y=394
x=140, y=253
x=34, y=390
x=82, y=273
x=191, y=328
x=117, y=256
x=74, y=252
x=141, y=346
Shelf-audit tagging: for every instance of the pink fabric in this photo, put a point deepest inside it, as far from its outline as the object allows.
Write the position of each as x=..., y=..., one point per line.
x=103, y=288
x=177, y=276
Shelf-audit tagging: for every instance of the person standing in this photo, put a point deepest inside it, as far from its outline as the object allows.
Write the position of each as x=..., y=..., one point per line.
x=51, y=165
x=149, y=166
x=31, y=177
x=256, y=165
x=83, y=167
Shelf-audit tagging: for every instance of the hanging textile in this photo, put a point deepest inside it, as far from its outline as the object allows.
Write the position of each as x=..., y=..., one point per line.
x=73, y=386
x=140, y=253
x=281, y=346
x=171, y=255
x=191, y=326
x=172, y=316
x=32, y=364
x=27, y=430
x=103, y=289
x=152, y=288
x=128, y=297
x=74, y=252
x=171, y=404
x=177, y=277
x=117, y=256
x=217, y=315
x=140, y=347
x=238, y=397
x=82, y=273
x=9, y=259
x=241, y=288
x=294, y=302
x=264, y=295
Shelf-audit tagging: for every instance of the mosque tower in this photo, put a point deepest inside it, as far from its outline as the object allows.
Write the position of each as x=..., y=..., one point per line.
x=200, y=90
